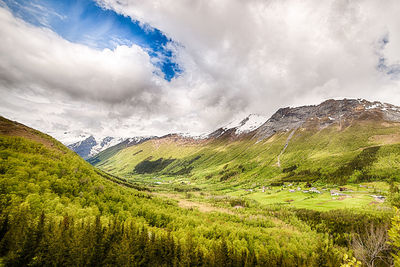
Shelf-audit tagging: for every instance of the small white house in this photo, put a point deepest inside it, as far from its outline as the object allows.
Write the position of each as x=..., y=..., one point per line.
x=336, y=193
x=315, y=191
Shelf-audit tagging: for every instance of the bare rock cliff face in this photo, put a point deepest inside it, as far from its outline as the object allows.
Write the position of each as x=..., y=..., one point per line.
x=342, y=112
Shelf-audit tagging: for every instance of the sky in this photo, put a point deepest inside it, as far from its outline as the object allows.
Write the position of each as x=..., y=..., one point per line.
x=132, y=67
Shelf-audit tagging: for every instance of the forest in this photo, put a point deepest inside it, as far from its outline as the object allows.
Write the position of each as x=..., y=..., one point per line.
x=58, y=210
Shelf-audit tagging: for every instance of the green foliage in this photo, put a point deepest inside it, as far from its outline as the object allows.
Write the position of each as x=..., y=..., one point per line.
x=121, y=181
x=148, y=166
x=347, y=262
x=108, y=153
x=289, y=169
x=58, y=210
x=329, y=155
x=394, y=234
x=55, y=209
x=340, y=229
x=359, y=164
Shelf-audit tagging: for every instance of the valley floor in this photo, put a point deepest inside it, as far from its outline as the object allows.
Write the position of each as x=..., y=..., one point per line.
x=319, y=197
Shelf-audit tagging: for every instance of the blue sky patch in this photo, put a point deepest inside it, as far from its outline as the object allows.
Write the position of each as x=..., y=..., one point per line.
x=392, y=70
x=85, y=22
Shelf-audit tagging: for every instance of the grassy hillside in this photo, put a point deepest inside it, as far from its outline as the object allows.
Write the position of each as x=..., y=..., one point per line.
x=363, y=151
x=111, y=151
x=56, y=209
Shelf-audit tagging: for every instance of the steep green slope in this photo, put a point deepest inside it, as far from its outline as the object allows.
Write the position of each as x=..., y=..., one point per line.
x=57, y=210
x=364, y=151
x=106, y=154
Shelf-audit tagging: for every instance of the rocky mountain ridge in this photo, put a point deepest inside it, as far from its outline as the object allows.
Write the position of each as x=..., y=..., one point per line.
x=90, y=147
x=341, y=112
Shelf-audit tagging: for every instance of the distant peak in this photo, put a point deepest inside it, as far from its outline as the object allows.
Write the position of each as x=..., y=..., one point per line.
x=248, y=124
x=339, y=111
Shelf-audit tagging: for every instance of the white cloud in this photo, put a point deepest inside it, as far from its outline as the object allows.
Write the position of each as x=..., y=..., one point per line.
x=238, y=57
x=43, y=78
x=37, y=57
x=256, y=55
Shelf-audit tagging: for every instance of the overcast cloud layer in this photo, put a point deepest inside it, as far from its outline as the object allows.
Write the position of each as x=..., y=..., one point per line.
x=237, y=57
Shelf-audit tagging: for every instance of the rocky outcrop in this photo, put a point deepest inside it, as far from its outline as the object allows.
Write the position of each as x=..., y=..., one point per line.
x=341, y=112
x=90, y=147
x=84, y=147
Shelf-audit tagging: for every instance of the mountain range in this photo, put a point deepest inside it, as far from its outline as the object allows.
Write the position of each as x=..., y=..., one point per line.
x=176, y=194
x=341, y=112
x=58, y=210
x=337, y=140
x=89, y=146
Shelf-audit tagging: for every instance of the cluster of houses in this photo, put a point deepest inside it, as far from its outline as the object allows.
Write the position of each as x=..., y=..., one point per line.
x=311, y=190
x=337, y=193
x=334, y=192
x=378, y=198
x=315, y=190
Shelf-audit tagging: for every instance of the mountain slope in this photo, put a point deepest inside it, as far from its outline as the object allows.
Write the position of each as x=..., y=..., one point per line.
x=235, y=129
x=239, y=128
x=12, y=128
x=108, y=152
x=90, y=147
x=57, y=210
x=336, y=141
x=341, y=112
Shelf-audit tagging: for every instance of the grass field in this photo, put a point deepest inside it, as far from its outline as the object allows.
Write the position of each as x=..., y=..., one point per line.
x=322, y=202
x=355, y=196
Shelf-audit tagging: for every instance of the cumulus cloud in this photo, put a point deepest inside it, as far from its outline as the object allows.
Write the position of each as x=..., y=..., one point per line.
x=37, y=57
x=237, y=57
x=259, y=55
x=43, y=75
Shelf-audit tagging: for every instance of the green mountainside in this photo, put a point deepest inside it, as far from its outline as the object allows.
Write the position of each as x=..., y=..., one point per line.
x=111, y=151
x=302, y=196
x=56, y=209
x=365, y=150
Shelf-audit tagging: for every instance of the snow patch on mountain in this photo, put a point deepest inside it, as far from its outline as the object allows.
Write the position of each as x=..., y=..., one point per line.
x=191, y=136
x=250, y=123
x=105, y=143
x=90, y=146
x=69, y=138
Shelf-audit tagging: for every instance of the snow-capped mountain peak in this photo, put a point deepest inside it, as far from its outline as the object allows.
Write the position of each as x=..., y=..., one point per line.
x=239, y=127
x=250, y=123
x=103, y=144
x=90, y=146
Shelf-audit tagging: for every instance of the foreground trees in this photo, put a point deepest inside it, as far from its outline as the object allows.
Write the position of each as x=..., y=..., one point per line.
x=48, y=242
x=372, y=247
x=56, y=210
x=394, y=234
